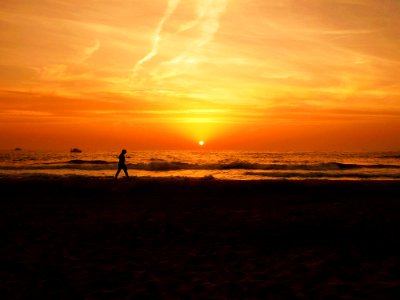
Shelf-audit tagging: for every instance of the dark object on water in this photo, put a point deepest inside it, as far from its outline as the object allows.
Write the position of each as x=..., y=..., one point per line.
x=75, y=150
x=17, y=149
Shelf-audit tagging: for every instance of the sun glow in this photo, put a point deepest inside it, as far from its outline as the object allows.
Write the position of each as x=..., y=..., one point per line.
x=201, y=143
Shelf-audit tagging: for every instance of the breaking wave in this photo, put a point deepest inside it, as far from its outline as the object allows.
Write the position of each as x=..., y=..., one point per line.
x=243, y=165
x=316, y=175
x=154, y=165
x=391, y=156
x=95, y=162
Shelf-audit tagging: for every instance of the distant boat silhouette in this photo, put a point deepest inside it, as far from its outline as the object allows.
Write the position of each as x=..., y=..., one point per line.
x=75, y=150
x=17, y=149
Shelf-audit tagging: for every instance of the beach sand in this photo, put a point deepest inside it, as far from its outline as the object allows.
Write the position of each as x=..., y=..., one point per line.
x=88, y=238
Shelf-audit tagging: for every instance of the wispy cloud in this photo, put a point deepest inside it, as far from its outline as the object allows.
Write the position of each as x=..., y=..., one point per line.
x=208, y=15
x=202, y=29
x=172, y=4
x=89, y=51
x=24, y=113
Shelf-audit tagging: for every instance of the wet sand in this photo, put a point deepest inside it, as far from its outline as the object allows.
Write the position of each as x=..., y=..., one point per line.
x=87, y=238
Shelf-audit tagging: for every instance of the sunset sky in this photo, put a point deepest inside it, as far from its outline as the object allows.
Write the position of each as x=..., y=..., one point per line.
x=281, y=75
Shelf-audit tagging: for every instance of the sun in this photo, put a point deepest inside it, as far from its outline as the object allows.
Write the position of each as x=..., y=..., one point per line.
x=201, y=143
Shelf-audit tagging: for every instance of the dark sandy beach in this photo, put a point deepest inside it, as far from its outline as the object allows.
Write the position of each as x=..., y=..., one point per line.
x=87, y=238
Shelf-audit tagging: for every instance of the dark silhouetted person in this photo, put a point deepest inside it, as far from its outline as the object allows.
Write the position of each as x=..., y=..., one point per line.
x=121, y=164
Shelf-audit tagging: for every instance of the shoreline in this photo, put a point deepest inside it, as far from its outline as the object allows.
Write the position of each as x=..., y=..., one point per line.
x=17, y=184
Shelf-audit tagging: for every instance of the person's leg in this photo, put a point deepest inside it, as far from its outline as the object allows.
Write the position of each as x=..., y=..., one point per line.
x=116, y=174
x=126, y=171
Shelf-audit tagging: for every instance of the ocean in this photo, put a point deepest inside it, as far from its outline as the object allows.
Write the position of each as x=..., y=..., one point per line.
x=236, y=165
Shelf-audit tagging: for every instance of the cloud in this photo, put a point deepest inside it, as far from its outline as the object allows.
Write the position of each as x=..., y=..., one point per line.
x=172, y=4
x=208, y=13
x=89, y=51
x=186, y=51
x=24, y=113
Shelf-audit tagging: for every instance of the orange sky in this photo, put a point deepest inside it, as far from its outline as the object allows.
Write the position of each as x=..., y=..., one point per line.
x=281, y=75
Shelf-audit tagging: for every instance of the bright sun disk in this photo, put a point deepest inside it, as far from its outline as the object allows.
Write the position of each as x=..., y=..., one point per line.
x=201, y=143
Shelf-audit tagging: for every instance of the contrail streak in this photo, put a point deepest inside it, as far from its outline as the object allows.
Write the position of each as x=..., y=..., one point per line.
x=203, y=29
x=172, y=4
x=208, y=15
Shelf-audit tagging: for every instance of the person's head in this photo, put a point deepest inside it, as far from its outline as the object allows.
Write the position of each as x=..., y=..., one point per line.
x=123, y=151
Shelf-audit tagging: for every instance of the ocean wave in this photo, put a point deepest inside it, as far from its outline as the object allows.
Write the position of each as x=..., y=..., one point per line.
x=94, y=162
x=323, y=175
x=238, y=165
x=162, y=166
x=158, y=166
x=243, y=165
x=390, y=156
x=156, y=159
x=330, y=166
